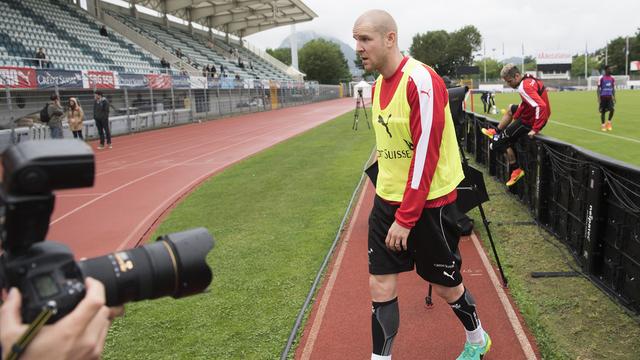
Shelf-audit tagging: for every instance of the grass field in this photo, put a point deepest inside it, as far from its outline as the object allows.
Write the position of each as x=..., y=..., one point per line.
x=274, y=217
x=575, y=119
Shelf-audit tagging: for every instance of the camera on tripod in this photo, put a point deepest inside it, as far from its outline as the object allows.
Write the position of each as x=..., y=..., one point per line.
x=46, y=273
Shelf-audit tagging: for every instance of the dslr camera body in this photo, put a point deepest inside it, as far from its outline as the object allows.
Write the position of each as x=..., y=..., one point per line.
x=46, y=272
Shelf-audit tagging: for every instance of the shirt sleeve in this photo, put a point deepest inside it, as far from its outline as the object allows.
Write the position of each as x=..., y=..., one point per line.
x=529, y=93
x=427, y=99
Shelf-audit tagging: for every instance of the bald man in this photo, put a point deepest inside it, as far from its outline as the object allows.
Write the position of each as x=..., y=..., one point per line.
x=419, y=169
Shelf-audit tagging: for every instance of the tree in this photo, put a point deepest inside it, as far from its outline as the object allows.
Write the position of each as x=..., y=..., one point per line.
x=445, y=52
x=616, y=53
x=282, y=54
x=577, y=65
x=493, y=68
x=365, y=73
x=324, y=62
x=529, y=64
x=430, y=48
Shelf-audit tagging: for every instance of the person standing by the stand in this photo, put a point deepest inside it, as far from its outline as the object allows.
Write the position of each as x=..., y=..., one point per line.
x=101, y=117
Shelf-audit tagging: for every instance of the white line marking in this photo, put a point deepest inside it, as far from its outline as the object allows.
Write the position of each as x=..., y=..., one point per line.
x=167, y=168
x=315, y=329
x=599, y=132
x=511, y=314
x=78, y=195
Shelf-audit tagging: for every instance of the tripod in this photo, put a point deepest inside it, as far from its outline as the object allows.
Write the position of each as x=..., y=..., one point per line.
x=356, y=114
x=472, y=193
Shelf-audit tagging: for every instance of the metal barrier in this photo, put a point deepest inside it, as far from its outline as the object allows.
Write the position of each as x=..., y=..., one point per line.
x=134, y=110
x=590, y=202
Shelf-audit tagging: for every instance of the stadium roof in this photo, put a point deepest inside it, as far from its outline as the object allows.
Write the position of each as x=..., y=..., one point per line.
x=238, y=17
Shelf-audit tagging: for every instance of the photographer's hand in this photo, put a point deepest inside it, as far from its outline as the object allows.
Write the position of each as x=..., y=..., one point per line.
x=79, y=335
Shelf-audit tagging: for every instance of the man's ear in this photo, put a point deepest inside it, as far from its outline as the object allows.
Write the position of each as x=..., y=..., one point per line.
x=390, y=38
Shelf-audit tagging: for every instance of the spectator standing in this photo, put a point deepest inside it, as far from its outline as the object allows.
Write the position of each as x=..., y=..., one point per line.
x=56, y=114
x=103, y=31
x=75, y=116
x=165, y=64
x=41, y=56
x=101, y=117
x=212, y=71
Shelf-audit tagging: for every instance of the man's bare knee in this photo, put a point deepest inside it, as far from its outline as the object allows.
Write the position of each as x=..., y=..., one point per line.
x=449, y=294
x=383, y=287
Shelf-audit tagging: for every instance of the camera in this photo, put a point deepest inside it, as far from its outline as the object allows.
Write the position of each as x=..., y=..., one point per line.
x=360, y=92
x=46, y=272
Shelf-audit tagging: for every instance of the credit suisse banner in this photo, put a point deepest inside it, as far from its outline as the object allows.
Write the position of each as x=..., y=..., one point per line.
x=48, y=79
x=132, y=81
x=181, y=82
x=98, y=79
x=198, y=82
x=159, y=81
x=17, y=78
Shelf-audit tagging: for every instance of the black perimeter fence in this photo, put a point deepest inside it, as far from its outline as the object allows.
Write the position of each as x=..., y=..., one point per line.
x=590, y=202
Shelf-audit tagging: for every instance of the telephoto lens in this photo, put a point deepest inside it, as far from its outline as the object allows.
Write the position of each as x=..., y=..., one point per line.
x=175, y=265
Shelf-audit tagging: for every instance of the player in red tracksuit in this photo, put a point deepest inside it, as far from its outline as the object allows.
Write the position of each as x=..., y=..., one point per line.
x=530, y=117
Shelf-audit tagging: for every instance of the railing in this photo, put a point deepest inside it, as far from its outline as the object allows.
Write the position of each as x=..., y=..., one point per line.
x=52, y=64
x=141, y=108
x=588, y=201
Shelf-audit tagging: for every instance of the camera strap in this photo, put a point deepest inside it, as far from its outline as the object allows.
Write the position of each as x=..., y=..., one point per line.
x=19, y=346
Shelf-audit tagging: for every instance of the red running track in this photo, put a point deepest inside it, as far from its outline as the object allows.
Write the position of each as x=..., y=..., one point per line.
x=146, y=173
x=340, y=323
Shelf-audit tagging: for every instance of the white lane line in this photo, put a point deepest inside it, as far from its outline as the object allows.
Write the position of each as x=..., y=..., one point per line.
x=315, y=328
x=281, y=130
x=511, y=314
x=78, y=195
x=596, y=132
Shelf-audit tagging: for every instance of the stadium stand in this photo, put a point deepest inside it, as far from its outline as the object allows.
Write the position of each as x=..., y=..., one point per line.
x=71, y=39
x=195, y=48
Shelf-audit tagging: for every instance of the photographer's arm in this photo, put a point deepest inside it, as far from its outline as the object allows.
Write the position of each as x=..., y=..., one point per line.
x=79, y=335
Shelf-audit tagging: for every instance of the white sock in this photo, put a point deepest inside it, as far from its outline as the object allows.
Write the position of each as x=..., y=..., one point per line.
x=380, y=357
x=476, y=336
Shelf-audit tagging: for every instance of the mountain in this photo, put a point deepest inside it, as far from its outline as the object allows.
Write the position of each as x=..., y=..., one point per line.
x=513, y=60
x=302, y=37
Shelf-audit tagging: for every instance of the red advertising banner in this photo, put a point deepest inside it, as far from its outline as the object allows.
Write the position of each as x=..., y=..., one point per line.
x=99, y=79
x=159, y=81
x=17, y=77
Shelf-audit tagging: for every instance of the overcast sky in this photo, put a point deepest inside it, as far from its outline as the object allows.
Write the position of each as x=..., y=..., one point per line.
x=546, y=25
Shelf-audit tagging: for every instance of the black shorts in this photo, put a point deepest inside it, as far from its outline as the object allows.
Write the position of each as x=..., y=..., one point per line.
x=606, y=104
x=510, y=135
x=432, y=246
x=513, y=108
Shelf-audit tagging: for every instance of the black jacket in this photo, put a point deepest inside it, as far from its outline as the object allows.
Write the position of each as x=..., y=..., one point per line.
x=101, y=109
